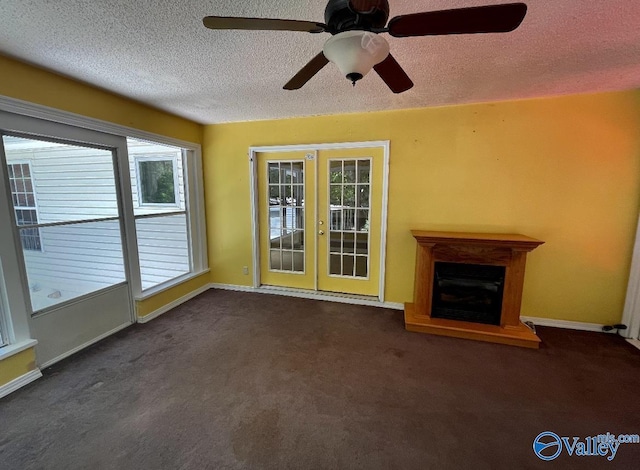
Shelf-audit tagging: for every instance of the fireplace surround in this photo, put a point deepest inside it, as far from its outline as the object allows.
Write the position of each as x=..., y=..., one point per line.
x=469, y=285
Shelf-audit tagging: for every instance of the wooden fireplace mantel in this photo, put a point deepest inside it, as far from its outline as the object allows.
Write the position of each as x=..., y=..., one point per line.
x=508, y=250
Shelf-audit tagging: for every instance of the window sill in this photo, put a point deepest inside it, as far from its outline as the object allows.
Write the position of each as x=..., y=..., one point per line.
x=16, y=348
x=170, y=284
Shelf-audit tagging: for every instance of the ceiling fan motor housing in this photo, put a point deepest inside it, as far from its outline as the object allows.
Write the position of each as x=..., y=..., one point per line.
x=340, y=17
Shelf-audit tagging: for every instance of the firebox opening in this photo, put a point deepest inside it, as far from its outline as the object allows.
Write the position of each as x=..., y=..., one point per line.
x=468, y=292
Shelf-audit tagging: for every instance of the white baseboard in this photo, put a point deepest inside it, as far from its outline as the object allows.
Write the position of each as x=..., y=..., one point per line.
x=174, y=304
x=356, y=300
x=634, y=342
x=569, y=325
x=21, y=381
x=313, y=295
x=233, y=287
x=394, y=306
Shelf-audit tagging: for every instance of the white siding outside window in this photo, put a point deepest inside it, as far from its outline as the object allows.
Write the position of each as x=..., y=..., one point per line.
x=68, y=183
x=160, y=210
x=38, y=170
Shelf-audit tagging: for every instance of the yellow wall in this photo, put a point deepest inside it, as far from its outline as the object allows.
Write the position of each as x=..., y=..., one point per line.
x=150, y=305
x=17, y=365
x=24, y=82
x=564, y=170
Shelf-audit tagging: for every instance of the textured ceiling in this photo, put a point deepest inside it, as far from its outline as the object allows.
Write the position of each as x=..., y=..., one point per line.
x=158, y=52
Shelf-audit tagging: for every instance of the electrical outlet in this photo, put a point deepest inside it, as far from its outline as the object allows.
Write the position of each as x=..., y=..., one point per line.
x=245, y=270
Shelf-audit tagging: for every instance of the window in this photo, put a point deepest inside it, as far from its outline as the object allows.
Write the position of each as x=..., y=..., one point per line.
x=160, y=208
x=3, y=336
x=3, y=342
x=157, y=178
x=24, y=204
x=4, y=331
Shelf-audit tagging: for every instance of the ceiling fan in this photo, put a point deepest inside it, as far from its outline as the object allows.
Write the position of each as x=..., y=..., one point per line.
x=356, y=45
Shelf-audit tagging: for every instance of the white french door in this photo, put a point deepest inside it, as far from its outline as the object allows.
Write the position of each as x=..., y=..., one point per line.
x=61, y=184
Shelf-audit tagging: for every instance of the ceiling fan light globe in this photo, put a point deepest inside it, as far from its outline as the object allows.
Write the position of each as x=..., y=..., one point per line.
x=356, y=52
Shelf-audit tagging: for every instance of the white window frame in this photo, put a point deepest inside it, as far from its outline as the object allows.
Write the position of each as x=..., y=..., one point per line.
x=35, y=204
x=6, y=331
x=176, y=179
x=193, y=182
x=4, y=340
x=191, y=155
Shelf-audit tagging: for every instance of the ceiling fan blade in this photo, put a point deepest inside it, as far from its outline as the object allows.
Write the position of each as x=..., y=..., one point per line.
x=393, y=75
x=485, y=19
x=308, y=71
x=262, y=24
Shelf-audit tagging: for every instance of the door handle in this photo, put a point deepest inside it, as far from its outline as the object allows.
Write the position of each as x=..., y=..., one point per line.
x=321, y=232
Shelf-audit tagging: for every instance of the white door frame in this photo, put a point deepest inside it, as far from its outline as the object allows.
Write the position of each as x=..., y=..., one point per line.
x=631, y=315
x=253, y=181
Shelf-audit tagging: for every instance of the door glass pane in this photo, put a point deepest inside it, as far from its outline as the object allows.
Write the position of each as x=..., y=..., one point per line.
x=361, y=266
x=276, y=260
x=349, y=196
x=274, y=173
x=364, y=171
x=298, y=261
x=349, y=171
x=335, y=172
x=362, y=224
x=66, y=211
x=298, y=172
x=286, y=215
x=362, y=243
x=363, y=195
x=348, y=242
x=335, y=242
x=335, y=265
x=348, y=265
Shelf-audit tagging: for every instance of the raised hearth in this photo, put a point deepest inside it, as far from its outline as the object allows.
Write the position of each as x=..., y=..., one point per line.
x=469, y=285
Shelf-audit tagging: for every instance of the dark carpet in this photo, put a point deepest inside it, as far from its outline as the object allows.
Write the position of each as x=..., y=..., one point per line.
x=238, y=380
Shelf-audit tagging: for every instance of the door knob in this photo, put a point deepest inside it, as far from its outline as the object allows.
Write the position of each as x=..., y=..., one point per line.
x=321, y=232
x=320, y=222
